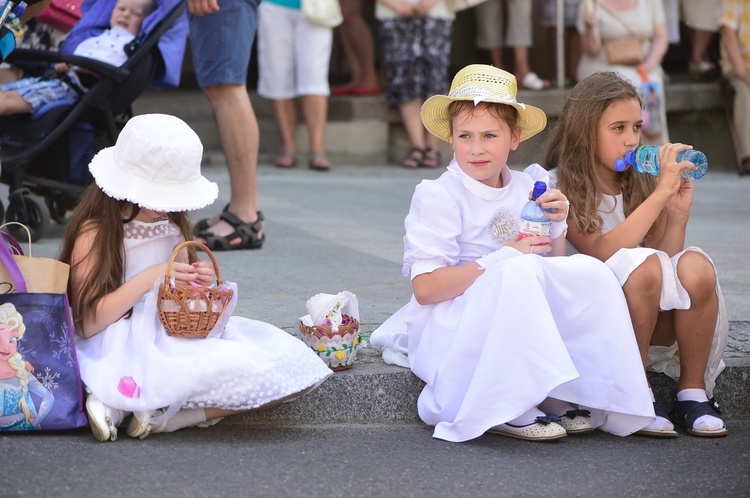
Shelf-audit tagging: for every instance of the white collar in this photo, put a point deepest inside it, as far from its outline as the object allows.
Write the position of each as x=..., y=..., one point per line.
x=480, y=189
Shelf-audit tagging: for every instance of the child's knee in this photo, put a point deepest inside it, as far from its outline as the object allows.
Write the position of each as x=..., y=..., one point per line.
x=646, y=279
x=697, y=275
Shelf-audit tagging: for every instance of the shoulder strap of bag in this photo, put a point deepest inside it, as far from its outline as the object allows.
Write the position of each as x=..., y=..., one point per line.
x=6, y=257
x=619, y=19
x=13, y=243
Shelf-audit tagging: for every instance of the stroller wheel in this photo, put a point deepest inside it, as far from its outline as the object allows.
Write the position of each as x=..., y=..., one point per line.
x=32, y=212
x=59, y=207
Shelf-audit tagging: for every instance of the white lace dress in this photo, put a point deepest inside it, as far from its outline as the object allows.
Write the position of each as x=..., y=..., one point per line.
x=134, y=365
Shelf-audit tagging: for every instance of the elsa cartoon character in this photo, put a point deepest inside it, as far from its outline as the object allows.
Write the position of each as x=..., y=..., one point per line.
x=17, y=409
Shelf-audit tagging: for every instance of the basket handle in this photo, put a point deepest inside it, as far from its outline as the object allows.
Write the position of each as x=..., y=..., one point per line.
x=187, y=243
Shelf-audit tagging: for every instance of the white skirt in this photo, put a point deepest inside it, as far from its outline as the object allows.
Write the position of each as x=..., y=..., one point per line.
x=134, y=365
x=527, y=329
x=665, y=359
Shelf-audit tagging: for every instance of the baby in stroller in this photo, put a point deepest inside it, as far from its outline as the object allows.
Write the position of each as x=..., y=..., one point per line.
x=45, y=152
x=30, y=93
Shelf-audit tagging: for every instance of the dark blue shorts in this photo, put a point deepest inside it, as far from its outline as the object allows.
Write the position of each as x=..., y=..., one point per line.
x=221, y=42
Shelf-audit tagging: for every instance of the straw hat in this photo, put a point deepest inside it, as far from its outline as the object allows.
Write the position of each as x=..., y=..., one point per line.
x=156, y=164
x=481, y=83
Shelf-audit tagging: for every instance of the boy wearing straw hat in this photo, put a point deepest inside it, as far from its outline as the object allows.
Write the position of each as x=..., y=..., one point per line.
x=507, y=341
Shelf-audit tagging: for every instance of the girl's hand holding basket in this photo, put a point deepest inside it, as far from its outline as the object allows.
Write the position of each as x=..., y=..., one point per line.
x=187, y=307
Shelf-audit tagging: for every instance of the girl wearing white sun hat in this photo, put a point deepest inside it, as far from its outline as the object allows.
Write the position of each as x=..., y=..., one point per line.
x=118, y=243
x=507, y=339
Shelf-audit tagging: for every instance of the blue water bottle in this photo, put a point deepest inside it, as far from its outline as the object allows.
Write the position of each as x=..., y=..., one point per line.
x=645, y=159
x=533, y=221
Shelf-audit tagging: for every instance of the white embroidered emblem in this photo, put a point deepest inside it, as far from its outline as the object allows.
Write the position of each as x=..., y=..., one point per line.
x=503, y=228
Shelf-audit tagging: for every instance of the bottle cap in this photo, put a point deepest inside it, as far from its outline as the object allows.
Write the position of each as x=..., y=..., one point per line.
x=539, y=189
x=622, y=164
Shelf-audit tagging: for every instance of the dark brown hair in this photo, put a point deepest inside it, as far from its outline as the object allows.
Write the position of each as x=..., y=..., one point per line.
x=98, y=212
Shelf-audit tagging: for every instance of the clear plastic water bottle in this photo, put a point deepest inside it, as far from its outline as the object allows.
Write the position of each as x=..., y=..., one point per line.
x=645, y=159
x=533, y=220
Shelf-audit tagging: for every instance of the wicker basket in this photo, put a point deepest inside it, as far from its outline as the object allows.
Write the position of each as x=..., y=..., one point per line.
x=337, y=349
x=187, y=311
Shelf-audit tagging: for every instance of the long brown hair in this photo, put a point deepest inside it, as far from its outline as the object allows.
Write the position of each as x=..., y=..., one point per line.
x=572, y=148
x=97, y=211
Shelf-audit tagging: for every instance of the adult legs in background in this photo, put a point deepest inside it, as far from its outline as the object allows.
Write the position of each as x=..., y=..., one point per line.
x=221, y=69
x=520, y=37
x=359, y=49
x=702, y=20
x=571, y=37
x=285, y=111
x=416, y=54
x=741, y=115
x=293, y=57
x=315, y=111
x=489, y=17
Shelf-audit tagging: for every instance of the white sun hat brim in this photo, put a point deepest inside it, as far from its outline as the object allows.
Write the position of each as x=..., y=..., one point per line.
x=156, y=165
x=481, y=83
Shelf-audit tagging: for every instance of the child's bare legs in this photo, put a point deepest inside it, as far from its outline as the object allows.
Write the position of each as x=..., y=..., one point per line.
x=12, y=103
x=693, y=329
x=642, y=292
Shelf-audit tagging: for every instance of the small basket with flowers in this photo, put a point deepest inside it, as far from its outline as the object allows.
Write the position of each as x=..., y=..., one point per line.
x=332, y=328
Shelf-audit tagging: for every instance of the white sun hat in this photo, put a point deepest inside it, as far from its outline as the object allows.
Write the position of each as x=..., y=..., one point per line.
x=156, y=164
x=481, y=83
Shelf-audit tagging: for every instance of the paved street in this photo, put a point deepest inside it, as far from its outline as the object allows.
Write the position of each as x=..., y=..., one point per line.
x=343, y=230
x=372, y=461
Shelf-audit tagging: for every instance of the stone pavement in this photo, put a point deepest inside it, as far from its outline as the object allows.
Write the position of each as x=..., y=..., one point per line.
x=343, y=230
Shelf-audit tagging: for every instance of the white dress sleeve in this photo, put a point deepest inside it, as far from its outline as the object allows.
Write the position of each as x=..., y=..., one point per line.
x=432, y=227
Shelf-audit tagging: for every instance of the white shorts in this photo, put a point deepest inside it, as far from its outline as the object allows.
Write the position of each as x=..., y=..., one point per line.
x=704, y=15
x=293, y=54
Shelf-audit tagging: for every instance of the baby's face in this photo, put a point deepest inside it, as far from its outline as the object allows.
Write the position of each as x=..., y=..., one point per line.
x=129, y=14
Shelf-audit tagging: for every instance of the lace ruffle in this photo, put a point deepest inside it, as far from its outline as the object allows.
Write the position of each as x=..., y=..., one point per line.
x=138, y=230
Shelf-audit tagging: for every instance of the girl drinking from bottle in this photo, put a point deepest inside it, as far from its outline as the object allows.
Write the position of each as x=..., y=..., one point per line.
x=507, y=341
x=636, y=223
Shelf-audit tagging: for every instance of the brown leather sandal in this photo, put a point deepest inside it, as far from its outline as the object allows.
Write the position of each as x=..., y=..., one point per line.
x=249, y=234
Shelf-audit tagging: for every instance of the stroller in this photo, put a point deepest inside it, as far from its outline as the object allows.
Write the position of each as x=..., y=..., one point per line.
x=44, y=156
